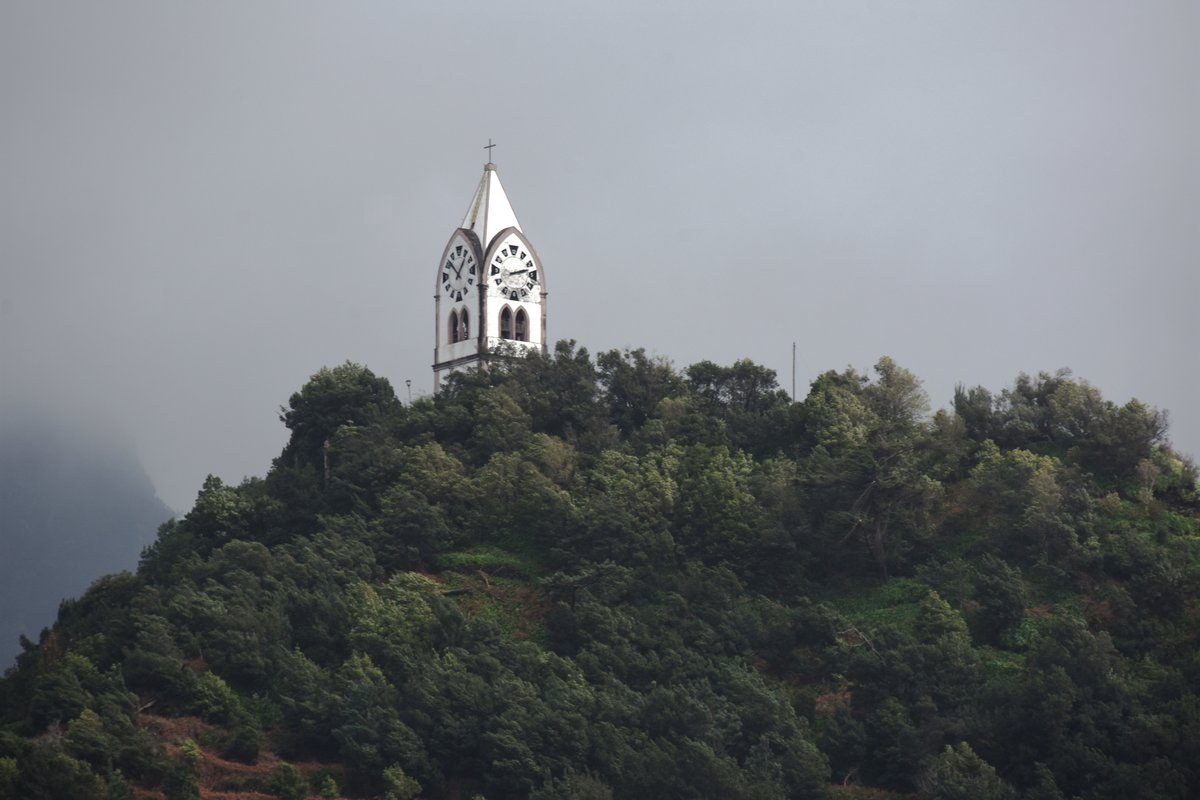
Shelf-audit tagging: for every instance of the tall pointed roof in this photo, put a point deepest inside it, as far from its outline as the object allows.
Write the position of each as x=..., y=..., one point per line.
x=490, y=211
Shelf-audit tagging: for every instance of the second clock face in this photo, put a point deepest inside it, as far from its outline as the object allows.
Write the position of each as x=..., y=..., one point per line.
x=459, y=272
x=513, y=273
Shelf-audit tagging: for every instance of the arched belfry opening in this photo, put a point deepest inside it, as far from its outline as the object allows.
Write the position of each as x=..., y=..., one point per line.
x=521, y=331
x=464, y=326
x=453, y=333
x=506, y=323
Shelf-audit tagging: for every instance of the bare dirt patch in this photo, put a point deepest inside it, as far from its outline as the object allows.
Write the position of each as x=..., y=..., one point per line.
x=220, y=778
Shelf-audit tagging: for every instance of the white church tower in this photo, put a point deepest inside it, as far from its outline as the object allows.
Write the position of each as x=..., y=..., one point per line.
x=490, y=289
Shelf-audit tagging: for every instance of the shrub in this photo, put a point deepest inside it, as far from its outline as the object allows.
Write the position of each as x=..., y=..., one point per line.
x=288, y=783
x=399, y=785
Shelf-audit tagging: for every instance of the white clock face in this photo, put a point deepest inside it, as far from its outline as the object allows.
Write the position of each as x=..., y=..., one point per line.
x=459, y=273
x=513, y=273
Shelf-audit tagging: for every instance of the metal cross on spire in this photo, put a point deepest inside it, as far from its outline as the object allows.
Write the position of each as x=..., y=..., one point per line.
x=489, y=147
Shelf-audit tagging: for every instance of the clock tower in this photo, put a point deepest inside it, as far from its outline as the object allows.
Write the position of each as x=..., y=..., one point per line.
x=490, y=290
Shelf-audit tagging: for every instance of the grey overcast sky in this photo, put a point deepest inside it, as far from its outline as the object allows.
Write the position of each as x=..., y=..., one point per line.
x=203, y=203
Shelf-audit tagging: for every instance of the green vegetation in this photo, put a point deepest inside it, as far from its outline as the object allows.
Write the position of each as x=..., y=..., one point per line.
x=491, y=559
x=578, y=578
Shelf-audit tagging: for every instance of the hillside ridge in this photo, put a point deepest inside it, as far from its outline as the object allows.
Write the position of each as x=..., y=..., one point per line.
x=578, y=577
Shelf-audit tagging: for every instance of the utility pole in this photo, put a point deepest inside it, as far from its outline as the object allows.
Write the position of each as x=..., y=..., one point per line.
x=793, y=372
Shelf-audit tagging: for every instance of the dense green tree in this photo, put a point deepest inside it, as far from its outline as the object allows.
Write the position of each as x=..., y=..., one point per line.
x=625, y=506
x=10, y=773
x=633, y=384
x=501, y=425
x=715, y=517
x=179, y=782
x=348, y=394
x=744, y=387
x=560, y=393
x=574, y=786
x=367, y=724
x=747, y=398
x=424, y=511
x=867, y=465
x=1056, y=414
x=959, y=774
x=1000, y=593
x=1031, y=505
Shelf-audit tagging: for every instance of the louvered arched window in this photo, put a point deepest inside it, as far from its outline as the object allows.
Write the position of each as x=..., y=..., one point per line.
x=464, y=326
x=453, y=327
x=522, y=326
x=506, y=323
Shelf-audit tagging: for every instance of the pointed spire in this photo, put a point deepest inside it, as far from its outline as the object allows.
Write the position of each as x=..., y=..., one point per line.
x=490, y=212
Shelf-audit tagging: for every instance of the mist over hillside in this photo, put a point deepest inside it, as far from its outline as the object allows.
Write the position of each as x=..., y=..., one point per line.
x=75, y=504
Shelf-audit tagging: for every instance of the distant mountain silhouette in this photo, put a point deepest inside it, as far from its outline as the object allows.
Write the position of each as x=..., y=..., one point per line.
x=75, y=504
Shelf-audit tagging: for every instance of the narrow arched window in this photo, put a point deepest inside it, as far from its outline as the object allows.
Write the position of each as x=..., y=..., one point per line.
x=464, y=327
x=453, y=327
x=522, y=326
x=506, y=323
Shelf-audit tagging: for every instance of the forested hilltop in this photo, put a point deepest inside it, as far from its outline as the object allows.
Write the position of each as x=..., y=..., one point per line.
x=585, y=578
